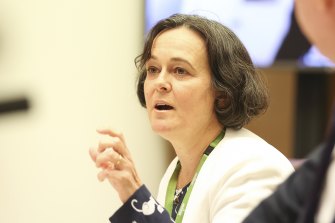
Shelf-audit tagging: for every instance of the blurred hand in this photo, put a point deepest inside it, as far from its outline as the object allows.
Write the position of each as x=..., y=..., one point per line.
x=113, y=158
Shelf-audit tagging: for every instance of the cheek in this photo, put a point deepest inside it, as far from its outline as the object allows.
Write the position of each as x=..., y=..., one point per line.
x=192, y=99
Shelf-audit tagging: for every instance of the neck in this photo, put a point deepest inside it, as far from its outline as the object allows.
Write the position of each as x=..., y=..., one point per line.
x=190, y=151
x=186, y=173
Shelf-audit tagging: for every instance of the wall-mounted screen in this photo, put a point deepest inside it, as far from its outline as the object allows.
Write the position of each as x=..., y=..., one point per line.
x=268, y=28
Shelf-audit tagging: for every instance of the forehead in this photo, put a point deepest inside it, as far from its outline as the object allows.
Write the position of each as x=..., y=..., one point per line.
x=182, y=38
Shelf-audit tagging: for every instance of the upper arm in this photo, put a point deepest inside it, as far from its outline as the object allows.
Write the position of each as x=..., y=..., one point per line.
x=247, y=185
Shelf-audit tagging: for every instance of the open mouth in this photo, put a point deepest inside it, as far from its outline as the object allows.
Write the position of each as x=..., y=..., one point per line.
x=163, y=107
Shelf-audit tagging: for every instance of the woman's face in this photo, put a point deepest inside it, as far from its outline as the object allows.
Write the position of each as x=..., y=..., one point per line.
x=178, y=92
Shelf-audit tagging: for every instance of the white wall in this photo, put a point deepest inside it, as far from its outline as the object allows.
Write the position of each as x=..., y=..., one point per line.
x=73, y=59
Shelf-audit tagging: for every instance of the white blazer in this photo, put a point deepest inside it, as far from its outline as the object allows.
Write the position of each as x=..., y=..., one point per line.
x=241, y=171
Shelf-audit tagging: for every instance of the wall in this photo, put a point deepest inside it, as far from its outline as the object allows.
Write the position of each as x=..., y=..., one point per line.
x=277, y=125
x=73, y=60
x=300, y=106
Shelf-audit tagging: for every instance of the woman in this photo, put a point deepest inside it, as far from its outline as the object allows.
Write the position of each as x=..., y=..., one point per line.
x=200, y=88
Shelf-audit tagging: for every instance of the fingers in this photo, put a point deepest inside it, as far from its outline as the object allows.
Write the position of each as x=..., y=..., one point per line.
x=112, y=142
x=113, y=159
x=108, y=157
x=102, y=175
x=110, y=132
x=117, y=142
x=93, y=154
x=118, y=162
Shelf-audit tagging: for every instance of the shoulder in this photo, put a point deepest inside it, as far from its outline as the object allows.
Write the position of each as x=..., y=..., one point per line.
x=243, y=157
x=243, y=145
x=243, y=137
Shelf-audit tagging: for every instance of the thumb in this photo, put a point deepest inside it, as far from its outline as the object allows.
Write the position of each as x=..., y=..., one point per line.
x=93, y=154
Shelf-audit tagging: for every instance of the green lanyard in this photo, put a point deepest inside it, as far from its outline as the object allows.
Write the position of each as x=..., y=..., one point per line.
x=173, y=183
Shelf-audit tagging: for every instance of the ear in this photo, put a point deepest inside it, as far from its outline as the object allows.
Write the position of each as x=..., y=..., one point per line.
x=222, y=101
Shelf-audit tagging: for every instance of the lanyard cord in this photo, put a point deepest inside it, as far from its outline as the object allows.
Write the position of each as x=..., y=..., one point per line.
x=174, y=178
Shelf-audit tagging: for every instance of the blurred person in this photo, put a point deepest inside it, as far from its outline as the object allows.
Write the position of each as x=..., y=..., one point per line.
x=200, y=87
x=308, y=195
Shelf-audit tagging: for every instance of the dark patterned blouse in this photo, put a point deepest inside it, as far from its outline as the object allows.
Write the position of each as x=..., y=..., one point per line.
x=142, y=207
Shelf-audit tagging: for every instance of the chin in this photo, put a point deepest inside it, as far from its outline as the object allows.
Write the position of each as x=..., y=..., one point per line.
x=160, y=128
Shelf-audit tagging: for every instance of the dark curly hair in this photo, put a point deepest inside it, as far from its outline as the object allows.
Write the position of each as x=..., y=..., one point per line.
x=241, y=93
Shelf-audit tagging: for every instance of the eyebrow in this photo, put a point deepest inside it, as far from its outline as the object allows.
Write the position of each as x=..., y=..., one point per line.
x=176, y=59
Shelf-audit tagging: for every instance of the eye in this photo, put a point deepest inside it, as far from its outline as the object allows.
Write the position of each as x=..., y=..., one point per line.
x=180, y=71
x=152, y=70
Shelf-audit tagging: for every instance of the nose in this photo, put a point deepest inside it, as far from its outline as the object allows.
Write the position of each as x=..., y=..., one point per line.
x=163, y=83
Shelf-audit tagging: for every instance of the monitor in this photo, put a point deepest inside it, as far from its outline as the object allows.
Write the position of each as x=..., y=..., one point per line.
x=268, y=28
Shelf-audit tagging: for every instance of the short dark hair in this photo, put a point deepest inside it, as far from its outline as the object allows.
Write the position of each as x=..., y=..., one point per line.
x=241, y=93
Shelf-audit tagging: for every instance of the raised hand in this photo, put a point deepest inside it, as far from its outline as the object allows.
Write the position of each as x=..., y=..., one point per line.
x=113, y=159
